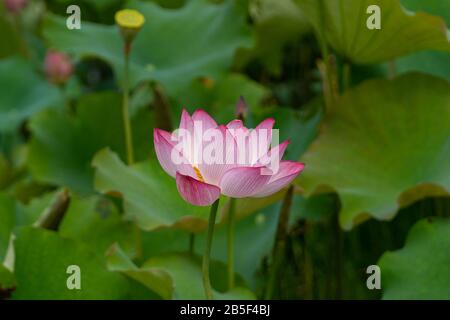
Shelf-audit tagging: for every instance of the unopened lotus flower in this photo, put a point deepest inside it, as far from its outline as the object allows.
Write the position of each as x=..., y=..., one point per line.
x=237, y=169
x=15, y=6
x=58, y=67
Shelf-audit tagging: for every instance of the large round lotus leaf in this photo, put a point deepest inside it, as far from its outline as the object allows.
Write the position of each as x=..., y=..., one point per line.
x=97, y=222
x=276, y=23
x=151, y=197
x=433, y=62
x=174, y=46
x=42, y=259
x=383, y=146
x=20, y=99
x=63, y=144
x=420, y=270
x=343, y=24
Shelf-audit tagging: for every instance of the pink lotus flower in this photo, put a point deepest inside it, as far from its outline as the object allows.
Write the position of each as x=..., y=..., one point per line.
x=15, y=6
x=58, y=67
x=241, y=173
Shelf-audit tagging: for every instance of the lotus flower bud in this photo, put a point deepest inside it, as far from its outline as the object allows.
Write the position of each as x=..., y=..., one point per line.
x=58, y=67
x=241, y=109
x=130, y=23
x=15, y=6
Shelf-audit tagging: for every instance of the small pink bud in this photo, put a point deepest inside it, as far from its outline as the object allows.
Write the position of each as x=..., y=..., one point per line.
x=58, y=67
x=241, y=108
x=15, y=6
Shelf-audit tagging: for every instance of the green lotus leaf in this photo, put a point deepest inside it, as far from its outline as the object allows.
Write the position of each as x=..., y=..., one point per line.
x=28, y=214
x=434, y=7
x=431, y=62
x=172, y=47
x=420, y=270
x=21, y=99
x=14, y=214
x=156, y=279
x=342, y=23
x=42, y=260
x=277, y=22
x=150, y=195
x=63, y=144
x=382, y=147
x=96, y=221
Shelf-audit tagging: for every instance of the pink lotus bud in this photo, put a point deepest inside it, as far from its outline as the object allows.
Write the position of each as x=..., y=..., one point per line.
x=15, y=6
x=241, y=108
x=58, y=67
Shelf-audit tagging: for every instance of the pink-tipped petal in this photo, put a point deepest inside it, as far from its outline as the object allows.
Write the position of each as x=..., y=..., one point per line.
x=235, y=124
x=163, y=148
x=287, y=172
x=277, y=151
x=196, y=192
x=165, y=151
x=206, y=120
x=186, y=122
x=241, y=135
x=259, y=140
x=266, y=124
x=241, y=108
x=242, y=182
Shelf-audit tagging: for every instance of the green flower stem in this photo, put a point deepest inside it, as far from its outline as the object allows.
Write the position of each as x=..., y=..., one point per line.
x=128, y=135
x=327, y=67
x=205, y=264
x=280, y=243
x=230, y=243
x=125, y=110
x=18, y=26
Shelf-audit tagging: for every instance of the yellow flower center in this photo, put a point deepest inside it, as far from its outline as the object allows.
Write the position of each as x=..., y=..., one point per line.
x=198, y=173
x=128, y=18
